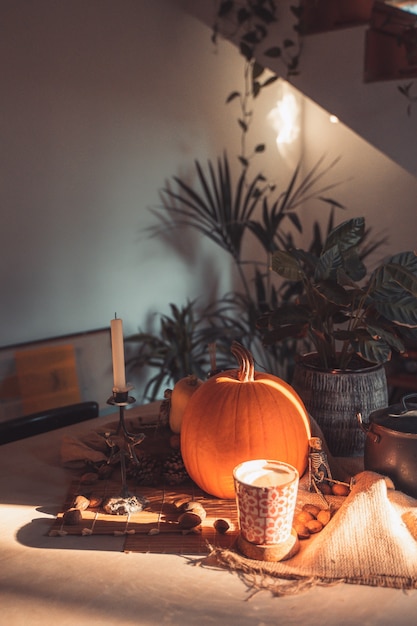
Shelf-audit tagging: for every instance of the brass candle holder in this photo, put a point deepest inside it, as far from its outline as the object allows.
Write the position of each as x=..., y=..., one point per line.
x=122, y=444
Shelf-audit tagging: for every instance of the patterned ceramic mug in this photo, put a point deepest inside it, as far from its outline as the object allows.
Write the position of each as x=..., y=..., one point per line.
x=266, y=494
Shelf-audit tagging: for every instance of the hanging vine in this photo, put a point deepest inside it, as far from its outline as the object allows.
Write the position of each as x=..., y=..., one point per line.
x=247, y=22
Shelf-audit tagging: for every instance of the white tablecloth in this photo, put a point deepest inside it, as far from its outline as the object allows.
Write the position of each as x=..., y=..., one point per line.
x=89, y=580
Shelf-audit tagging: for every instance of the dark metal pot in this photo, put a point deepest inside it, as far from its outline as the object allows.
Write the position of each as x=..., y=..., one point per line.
x=391, y=444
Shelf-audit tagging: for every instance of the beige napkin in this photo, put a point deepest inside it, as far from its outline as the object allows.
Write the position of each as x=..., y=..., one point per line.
x=76, y=453
x=370, y=540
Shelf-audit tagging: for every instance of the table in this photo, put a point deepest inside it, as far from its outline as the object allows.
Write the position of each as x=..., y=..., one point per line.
x=89, y=580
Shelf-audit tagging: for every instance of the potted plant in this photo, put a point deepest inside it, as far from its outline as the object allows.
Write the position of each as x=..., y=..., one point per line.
x=225, y=202
x=192, y=339
x=352, y=322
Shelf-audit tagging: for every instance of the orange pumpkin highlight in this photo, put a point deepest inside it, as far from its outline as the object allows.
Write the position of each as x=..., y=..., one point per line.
x=240, y=415
x=181, y=393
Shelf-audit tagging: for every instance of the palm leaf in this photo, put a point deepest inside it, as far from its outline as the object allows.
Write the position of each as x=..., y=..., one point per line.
x=305, y=191
x=215, y=211
x=268, y=230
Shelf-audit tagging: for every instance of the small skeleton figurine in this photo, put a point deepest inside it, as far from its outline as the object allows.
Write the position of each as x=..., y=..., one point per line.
x=318, y=465
x=319, y=473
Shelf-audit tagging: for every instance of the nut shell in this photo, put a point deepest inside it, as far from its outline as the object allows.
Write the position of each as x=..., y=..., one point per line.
x=314, y=526
x=301, y=530
x=72, y=517
x=325, y=488
x=189, y=520
x=221, y=526
x=324, y=516
x=194, y=507
x=340, y=490
x=82, y=503
x=95, y=502
x=305, y=516
x=312, y=509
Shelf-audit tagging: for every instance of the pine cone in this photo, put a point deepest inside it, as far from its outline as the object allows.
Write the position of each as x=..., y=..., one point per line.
x=173, y=469
x=147, y=471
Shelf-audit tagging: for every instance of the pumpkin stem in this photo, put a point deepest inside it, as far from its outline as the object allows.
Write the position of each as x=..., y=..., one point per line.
x=246, y=372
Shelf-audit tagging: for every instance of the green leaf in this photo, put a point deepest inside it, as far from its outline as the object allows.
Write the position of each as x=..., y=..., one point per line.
x=243, y=125
x=398, y=273
x=346, y=235
x=232, y=96
x=329, y=261
x=284, y=332
x=297, y=11
x=405, y=259
x=257, y=70
x=377, y=332
x=403, y=277
x=261, y=30
x=225, y=7
x=284, y=264
x=288, y=313
x=246, y=51
x=220, y=210
x=340, y=252
x=372, y=351
x=263, y=13
x=269, y=81
x=353, y=265
x=243, y=15
x=273, y=53
x=251, y=37
x=334, y=293
x=401, y=311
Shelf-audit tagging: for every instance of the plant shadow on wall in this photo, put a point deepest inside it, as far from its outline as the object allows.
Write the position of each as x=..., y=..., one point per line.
x=230, y=209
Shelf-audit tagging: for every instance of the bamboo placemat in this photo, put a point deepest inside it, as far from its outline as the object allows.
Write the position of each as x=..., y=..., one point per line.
x=155, y=529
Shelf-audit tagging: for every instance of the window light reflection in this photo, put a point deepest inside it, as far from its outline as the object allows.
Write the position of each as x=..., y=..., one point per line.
x=285, y=119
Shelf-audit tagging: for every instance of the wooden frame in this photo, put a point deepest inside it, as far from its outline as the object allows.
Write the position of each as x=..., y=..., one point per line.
x=64, y=370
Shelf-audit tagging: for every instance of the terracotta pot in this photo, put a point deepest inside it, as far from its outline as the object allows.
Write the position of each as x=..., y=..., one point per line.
x=334, y=397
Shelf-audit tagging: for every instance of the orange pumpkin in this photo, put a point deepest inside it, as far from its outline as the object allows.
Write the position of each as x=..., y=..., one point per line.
x=181, y=393
x=238, y=415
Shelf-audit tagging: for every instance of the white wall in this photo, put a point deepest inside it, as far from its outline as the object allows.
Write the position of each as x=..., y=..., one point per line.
x=101, y=102
x=372, y=185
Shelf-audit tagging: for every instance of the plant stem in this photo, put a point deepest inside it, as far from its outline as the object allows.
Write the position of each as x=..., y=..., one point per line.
x=243, y=278
x=244, y=104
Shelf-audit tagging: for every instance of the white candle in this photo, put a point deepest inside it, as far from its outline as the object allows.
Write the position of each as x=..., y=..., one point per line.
x=118, y=355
